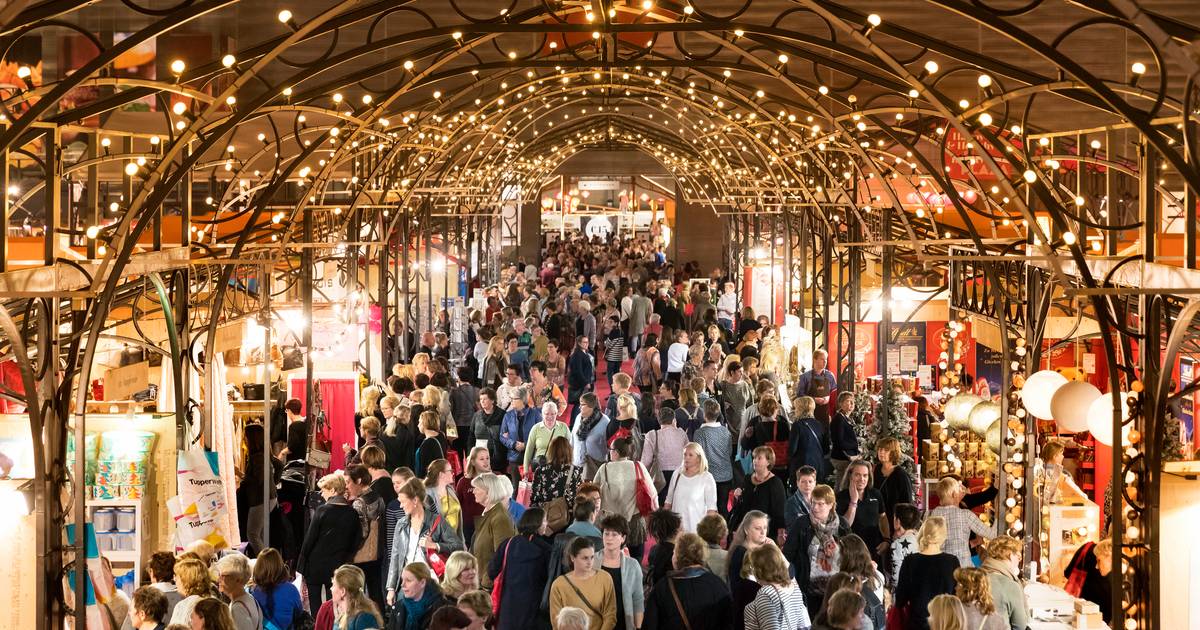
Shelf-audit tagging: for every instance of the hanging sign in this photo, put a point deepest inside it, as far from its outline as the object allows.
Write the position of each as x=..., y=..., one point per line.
x=599, y=226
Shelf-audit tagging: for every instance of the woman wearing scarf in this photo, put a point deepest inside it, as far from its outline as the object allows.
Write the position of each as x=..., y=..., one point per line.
x=591, y=432
x=422, y=598
x=812, y=545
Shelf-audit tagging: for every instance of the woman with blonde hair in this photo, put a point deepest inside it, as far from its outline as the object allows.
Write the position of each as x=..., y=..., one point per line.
x=926, y=574
x=420, y=364
x=330, y=541
x=975, y=592
x=353, y=610
x=419, y=597
x=194, y=583
x=960, y=522
x=692, y=491
x=495, y=364
x=779, y=602
x=1003, y=567
x=433, y=445
x=462, y=575
x=749, y=536
x=398, y=436
x=946, y=612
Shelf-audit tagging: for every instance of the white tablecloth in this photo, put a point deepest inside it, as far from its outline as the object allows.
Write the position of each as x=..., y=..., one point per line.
x=1053, y=608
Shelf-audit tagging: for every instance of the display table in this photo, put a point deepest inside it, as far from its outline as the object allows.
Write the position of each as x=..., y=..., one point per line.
x=1053, y=608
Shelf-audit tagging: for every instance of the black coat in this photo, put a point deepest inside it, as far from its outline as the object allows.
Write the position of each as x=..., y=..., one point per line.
x=703, y=595
x=795, y=550
x=524, y=579
x=332, y=538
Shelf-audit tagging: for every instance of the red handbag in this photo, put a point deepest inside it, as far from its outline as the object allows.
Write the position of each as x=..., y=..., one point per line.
x=645, y=500
x=897, y=618
x=498, y=583
x=434, y=559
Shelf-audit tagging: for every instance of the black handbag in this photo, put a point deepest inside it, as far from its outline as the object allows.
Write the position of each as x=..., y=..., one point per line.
x=254, y=391
x=131, y=355
x=293, y=358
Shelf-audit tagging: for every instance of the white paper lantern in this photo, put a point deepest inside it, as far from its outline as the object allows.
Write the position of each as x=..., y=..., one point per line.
x=1100, y=419
x=1039, y=390
x=982, y=416
x=993, y=435
x=1070, y=405
x=959, y=409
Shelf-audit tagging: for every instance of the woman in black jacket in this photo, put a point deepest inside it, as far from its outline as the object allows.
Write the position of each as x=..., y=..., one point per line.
x=258, y=507
x=333, y=536
x=702, y=596
x=813, y=565
x=581, y=374
x=523, y=560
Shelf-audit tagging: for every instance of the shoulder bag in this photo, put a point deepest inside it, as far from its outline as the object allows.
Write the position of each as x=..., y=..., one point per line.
x=498, y=583
x=687, y=625
x=558, y=514
x=642, y=495
x=582, y=598
x=434, y=559
x=1077, y=575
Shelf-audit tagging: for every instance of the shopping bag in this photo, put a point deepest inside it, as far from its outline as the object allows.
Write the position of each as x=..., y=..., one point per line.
x=524, y=492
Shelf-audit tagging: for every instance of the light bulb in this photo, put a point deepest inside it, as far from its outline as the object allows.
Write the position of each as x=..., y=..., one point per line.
x=366, y=99
x=456, y=35
x=408, y=64
x=1069, y=238
x=985, y=81
x=647, y=4
x=285, y=16
x=931, y=66
x=337, y=97
x=783, y=58
x=228, y=60
x=874, y=19
x=24, y=72
x=179, y=107
x=131, y=169
x=985, y=119
x=178, y=66
x=1030, y=176
x=1138, y=68
x=93, y=231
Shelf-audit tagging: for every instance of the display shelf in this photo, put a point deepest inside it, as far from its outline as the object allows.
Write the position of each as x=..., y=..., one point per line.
x=122, y=559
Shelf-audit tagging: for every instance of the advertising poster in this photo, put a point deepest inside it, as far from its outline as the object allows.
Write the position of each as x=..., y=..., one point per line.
x=908, y=342
x=988, y=372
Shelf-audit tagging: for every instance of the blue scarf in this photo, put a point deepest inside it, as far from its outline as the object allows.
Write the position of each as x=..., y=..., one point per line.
x=416, y=609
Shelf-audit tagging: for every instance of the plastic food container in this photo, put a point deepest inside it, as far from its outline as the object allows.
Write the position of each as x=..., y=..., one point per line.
x=126, y=519
x=104, y=520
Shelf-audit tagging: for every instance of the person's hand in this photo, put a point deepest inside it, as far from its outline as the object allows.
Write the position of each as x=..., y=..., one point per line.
x=749, y=431
x=882, y=548
x=345, y=448
x=737, y=493
x=429, y=544
x=824, y=400
x=391, y=596
x=855, y=493
x=521, y=446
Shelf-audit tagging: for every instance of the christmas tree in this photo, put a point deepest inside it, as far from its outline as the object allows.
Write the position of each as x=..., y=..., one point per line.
x=891, y=420
x=861, y=418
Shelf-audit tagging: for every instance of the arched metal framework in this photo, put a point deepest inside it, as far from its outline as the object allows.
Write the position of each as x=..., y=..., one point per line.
x=378, y=134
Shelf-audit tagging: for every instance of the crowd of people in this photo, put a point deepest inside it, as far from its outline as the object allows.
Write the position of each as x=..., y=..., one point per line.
x=617, y=448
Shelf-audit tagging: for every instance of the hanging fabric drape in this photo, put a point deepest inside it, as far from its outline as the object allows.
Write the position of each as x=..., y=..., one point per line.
x=225, y=443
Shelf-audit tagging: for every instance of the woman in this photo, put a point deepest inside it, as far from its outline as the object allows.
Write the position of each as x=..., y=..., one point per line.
x=690, y=596
x=353, y=610
x=252, y=486
x=946, y=612
x=689, y=416
x=370, y=508
x=626, y=573
x=233, y=573
x=747, y=323
x=855, y=560
x=717, y=442
x=925, y=418
x=1003, y=566
x=810, y=443
x=812, y=544
x=494, y=525
x=544, y=432
x=556, y=365
x=665, y=445
x=1088, y=571
x=861, y=505
x=751, y=535
x=765, y=429
x=486, y=426
x=273, y=590
x=618, y=480
x=926, y=574
x=975, y=592
x=585, y=588
x=398, y=437
x=478, y=462
x=495, y=364
x=477, y=606
x=626, y=424
x=892, y=481
x=462, y=575
x=210, y=614
x=558, y=478
x=581, y=374
x=647, y=367
x=714, y=338
x=713, y=531
x=448, y=618
x=368, y=407
x=692, y=492
x=332, y=538
x=194, y=583
x=420, y=598
x=844, y=611
x=522, y=561
x=433, y=445
x=960, y=522
x=779, y=602
x=842, y=582
x=439, y=488
x=614, y=348
x=418, y=535
x=762, y=491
